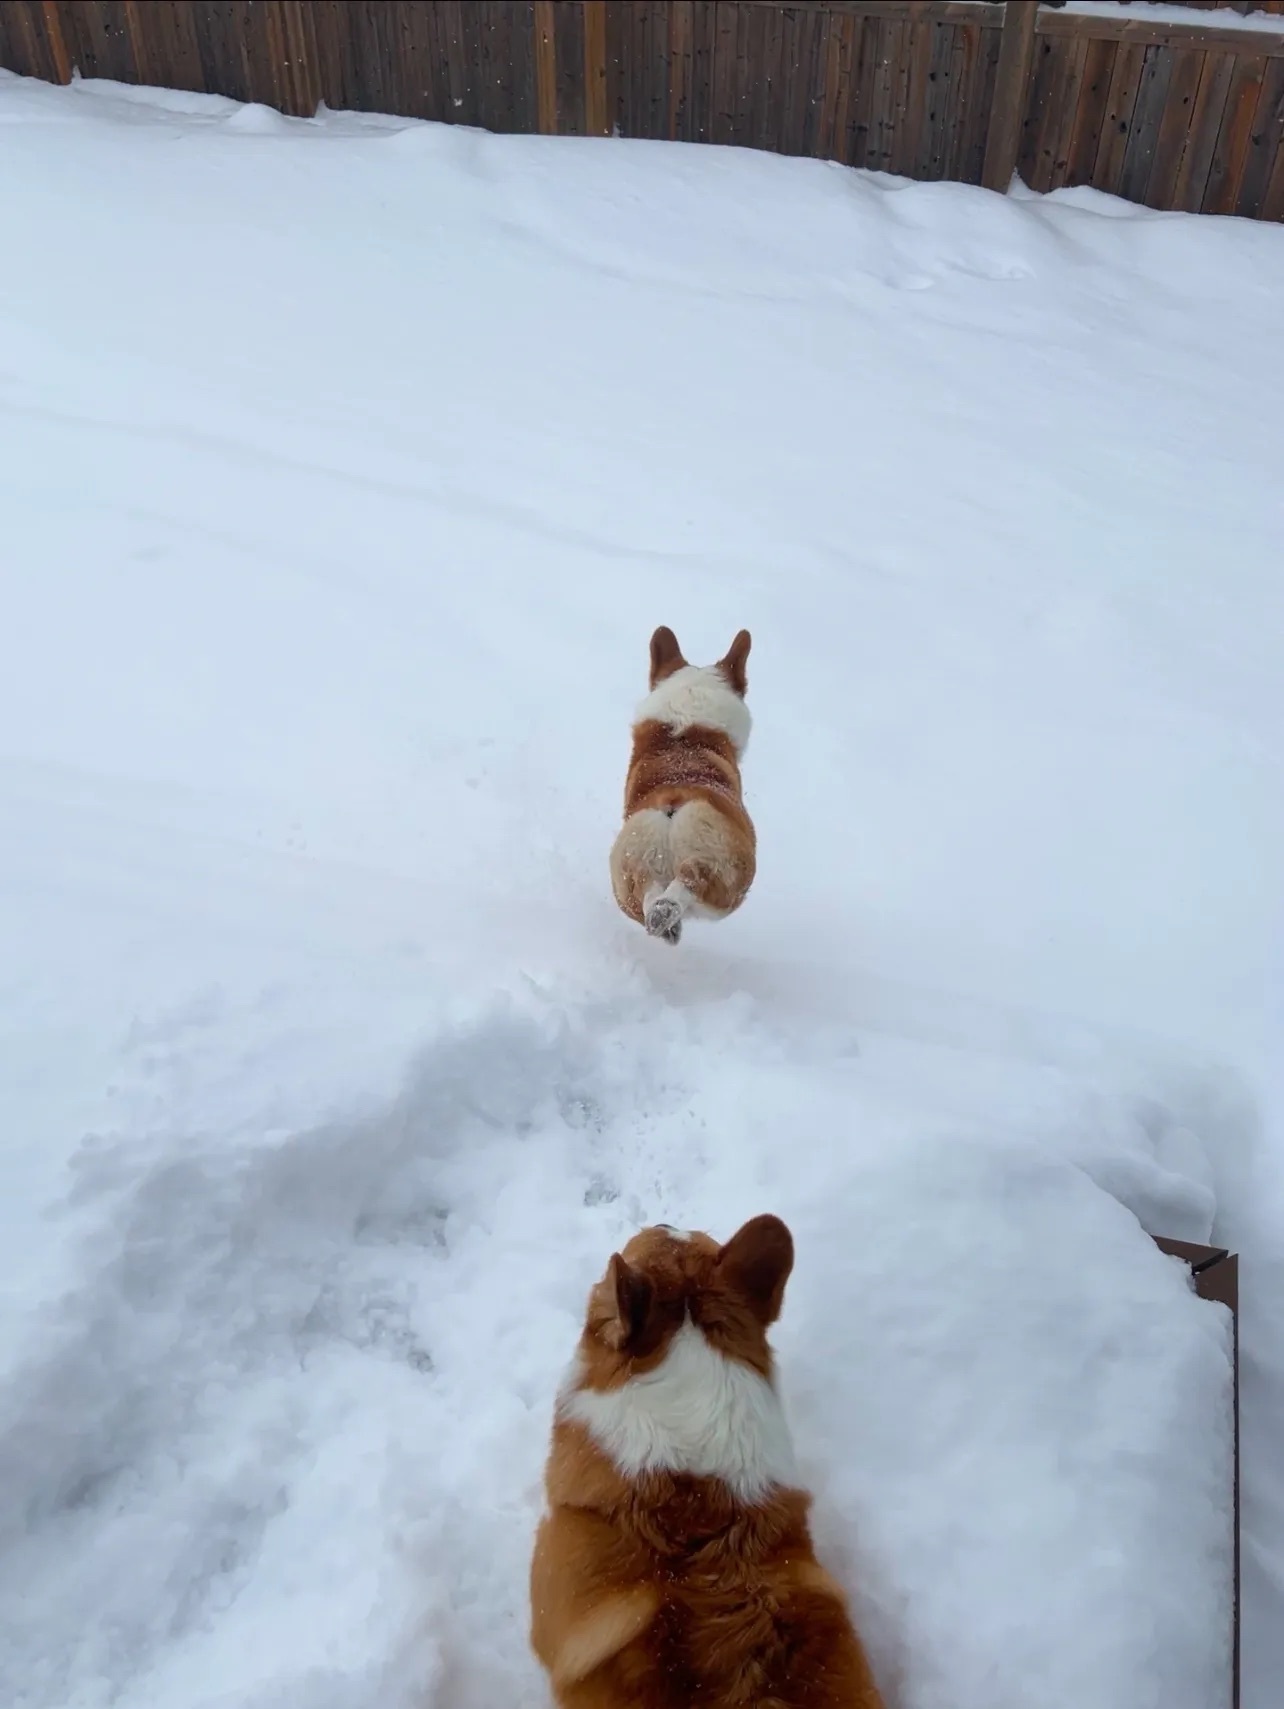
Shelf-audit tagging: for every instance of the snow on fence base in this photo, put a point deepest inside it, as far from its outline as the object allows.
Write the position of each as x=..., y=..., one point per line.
x=1215, y=1272
x=1141, y=102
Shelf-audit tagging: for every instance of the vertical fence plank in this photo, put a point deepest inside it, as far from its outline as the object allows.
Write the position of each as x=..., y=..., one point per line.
x=850, y=32
x=522, y=36
x=1147, y=120
x=740, y=131
x=450, y=34
x=703, y=30
x=810, y=80
x=771, y=76
x=54, y=36
x=596, y=114
x=942, y=99
x=900, y=160
x=1273, y=197
x=681, y=64
x=642, y=68
x=759, y=97
x=1173, y=127
x=1201, y=138
x=818, y=61
x=568, y=54
x=283, y=73
x=883, y=118
x=787, y=136
x=545, y=67
x=615, y=10
x=1055, y=143
x=659, y=69
x=431, y=85
x=1222, y=189
x=467, y=30
x=634, y=68
x=1011, y=84
x=144, y=44
x=488, y=49
x=860, y=110
x=961, y=63
x=914, y=137
x=831, y=85
x=495, y=62
x=1265, y=142
x=722, y=117
x=984, y=47
x=304, y=59
x=1040, y=116
x=1094, y=92
x=1124, y=84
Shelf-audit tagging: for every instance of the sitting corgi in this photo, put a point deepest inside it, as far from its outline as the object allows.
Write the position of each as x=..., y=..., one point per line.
x=674, y=1565
x=687, y=845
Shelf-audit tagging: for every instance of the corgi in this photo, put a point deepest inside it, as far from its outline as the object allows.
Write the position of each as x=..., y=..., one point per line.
x=686, y=846
x=674, y=1565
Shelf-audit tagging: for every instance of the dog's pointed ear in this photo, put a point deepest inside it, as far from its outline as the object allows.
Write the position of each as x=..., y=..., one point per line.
x=634, y=1297
x=756, y=1262
x=735, y=660
x=666, y=655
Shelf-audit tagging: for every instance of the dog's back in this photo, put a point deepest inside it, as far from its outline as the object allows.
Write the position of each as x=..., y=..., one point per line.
x=674, y=1565
x=687, y=845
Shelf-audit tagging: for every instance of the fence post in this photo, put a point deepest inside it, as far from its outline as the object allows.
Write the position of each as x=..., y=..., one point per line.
x=1011, y=91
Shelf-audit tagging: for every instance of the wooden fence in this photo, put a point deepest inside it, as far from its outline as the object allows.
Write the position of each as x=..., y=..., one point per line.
x=1174, y=115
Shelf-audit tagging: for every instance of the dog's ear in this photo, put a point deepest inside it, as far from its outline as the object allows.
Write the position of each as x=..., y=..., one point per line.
x=734, y=662
x=666, y=655
x=634, y=1298
x=756, y=1263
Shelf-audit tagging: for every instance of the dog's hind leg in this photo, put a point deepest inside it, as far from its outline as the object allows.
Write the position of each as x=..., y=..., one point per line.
x=665, y=910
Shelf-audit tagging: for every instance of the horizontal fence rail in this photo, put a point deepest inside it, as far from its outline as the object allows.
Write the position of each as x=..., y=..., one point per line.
x=1186, y=115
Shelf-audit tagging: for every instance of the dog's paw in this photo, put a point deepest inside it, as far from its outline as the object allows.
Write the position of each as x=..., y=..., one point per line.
x=665, y=920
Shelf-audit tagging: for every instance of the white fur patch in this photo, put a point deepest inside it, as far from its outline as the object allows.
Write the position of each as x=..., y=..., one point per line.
x=698, y=694
x=698, y=1412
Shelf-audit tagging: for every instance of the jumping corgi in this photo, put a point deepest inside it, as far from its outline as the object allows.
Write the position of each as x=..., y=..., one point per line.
x=674, y=1564
x=686, y=846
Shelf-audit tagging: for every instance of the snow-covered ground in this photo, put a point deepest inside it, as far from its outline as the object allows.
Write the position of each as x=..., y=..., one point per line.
x=1217, y=17
x=345, y=468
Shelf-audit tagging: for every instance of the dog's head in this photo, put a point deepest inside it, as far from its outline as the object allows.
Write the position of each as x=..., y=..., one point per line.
x=665, y=1279
x=666, y=659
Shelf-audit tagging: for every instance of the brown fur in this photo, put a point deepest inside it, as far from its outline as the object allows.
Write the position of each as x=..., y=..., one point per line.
x=665, y=767
x=712, y=853
x=666, y=1591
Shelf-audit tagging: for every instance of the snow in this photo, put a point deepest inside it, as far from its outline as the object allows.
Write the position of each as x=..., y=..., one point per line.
x=1155, y=12
x=346, y=467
